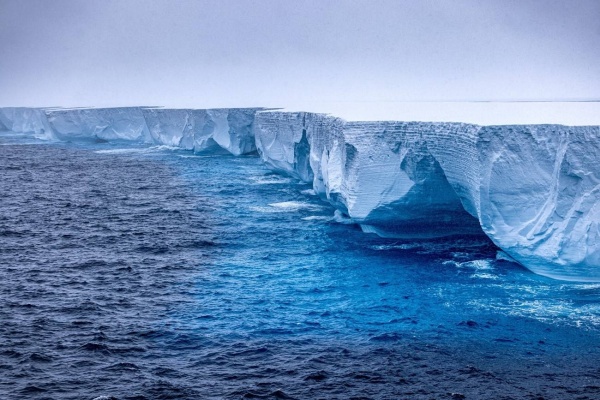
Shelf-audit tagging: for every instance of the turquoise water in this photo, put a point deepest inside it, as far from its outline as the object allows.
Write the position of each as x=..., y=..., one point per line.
x=150, y=272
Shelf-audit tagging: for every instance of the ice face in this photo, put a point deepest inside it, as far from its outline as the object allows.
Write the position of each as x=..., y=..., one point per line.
x=297, y=144
x=174, y=127
x=239, y=134
x=26, y=120
x=214, y=130
x=3, y=128
x=539, y=196
x=126, y=123
x=533, y=189
x=395, y=187
x=280, y=140
x=378, y=173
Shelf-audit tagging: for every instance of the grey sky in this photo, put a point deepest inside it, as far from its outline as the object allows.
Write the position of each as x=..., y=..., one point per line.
x=279, y=53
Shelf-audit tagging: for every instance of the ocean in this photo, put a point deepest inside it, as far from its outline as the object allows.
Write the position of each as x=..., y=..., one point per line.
x=148, y=272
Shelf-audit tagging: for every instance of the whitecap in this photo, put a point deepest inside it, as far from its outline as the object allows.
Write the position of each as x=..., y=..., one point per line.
x=121, y=151
x=262, y=209
x=317, y=218
x=502, y=256
x=294, y=206
x=340, y=218
x=484, y=276
x=269, y=180
x=479, y=265
x=165, y=147
x=285, y=206
x=403, y=246
x=140, y=150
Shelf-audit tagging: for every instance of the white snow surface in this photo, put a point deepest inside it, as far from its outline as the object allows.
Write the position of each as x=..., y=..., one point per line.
x=572, y=113
x=533, y=189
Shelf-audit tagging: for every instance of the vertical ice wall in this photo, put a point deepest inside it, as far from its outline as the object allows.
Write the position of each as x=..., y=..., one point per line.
x=212, y=130
x=240, y=131
x=282, y=143
x=378, y=173
x=394, y=186
x=300, y=144
x=122, y=123
x=533, y=189
x=26, y=120
x=540, y=196
x=177, y=128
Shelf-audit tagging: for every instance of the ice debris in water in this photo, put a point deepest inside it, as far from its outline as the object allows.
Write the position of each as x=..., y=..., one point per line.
x=294, y=206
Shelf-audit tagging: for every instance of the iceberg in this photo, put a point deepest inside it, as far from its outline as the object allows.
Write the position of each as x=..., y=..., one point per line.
x=378, y=173
x=211, y=130
x=226, y=130
x=26, y=120
x=534, y=190
x=394, y=186
x=282, y=140
x=122, y=123
x=538, y=196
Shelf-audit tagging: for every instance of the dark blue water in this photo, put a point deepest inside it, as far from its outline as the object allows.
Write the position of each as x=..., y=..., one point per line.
x=151, y=273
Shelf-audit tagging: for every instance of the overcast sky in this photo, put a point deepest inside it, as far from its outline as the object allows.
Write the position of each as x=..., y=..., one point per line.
x=282, y=52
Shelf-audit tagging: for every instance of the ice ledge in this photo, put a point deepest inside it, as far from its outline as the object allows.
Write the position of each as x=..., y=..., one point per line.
x=533, y=189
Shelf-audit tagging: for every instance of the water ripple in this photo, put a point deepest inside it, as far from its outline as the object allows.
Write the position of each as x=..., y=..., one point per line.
x=150, y=273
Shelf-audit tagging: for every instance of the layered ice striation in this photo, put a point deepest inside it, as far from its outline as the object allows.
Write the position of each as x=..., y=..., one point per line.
x=203, y=130
x=533, y=189
x=380, y=174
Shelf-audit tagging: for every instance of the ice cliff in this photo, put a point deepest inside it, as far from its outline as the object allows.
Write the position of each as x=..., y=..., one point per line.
x=533, y=189
x=213, y=130
x=25, y=120
x=226, y=130
x=100, y=123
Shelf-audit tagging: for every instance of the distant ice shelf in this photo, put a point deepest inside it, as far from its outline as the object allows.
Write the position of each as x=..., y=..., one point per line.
x=534, y=190
x=228, y=130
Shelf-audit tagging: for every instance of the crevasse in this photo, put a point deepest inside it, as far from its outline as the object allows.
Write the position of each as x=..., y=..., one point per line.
x=532, y=189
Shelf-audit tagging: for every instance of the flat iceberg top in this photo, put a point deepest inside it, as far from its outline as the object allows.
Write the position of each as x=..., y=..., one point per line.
x=570, y=113
x=480, y=113
x=114, y=108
